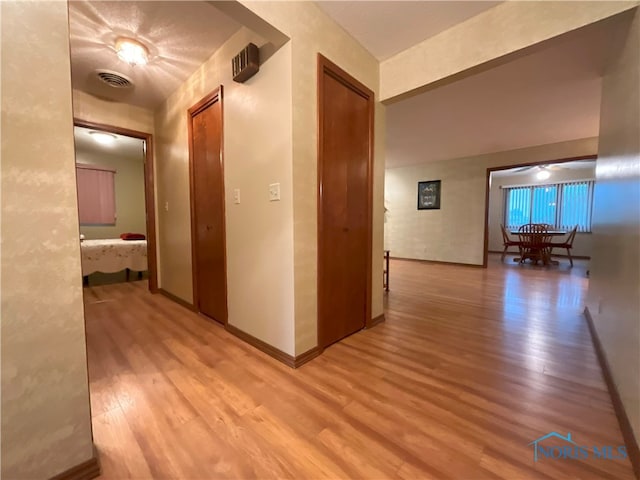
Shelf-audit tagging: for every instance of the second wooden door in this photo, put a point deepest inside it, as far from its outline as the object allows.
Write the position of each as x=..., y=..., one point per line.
x=207, y=207
x=344, y=210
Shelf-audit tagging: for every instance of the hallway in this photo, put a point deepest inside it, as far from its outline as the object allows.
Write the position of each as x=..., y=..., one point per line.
x=470, y=367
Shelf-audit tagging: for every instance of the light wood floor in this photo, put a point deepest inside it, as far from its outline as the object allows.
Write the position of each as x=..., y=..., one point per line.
x=470, y=367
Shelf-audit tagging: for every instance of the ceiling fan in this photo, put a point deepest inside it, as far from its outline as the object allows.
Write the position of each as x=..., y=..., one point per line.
x=554, y=166
x=544, y=171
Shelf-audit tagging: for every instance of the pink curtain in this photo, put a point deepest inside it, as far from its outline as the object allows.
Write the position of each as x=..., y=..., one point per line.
x=96, y=195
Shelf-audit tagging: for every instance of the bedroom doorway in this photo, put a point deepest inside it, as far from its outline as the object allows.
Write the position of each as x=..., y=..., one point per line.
x=118, y=162
x=208, y=237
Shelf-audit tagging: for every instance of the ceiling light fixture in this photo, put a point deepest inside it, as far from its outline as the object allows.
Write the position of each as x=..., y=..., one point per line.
x=132, y=51
x=543, y=174
x=103, y=138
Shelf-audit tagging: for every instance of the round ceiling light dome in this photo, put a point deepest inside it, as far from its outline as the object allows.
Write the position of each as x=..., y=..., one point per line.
x=103, y=138
x=132, y=51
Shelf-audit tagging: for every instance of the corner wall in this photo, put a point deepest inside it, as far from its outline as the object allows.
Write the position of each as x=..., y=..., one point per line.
x=614, y=286
x=312, y=32
x=46, y=422
x=257, y=152
x=455, y=233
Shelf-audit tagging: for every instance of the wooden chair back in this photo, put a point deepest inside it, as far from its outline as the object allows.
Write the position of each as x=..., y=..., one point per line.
x=534, y=236
x=571, y=236
x=505, y=235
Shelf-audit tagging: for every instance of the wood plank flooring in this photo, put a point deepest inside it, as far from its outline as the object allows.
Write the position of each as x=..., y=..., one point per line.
x=470, y=367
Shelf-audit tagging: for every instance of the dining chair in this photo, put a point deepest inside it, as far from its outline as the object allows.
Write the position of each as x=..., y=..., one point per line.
x=534, y=243
x=567, y=244
x=507, y=242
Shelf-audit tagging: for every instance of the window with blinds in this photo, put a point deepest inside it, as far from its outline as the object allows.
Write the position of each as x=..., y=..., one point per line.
x=561, y=205
x=96, y=195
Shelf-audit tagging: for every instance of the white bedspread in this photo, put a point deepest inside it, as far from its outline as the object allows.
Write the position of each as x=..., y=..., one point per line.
x=113, y=255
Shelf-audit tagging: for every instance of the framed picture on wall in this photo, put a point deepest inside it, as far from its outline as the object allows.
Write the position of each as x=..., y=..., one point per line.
x=429, y=195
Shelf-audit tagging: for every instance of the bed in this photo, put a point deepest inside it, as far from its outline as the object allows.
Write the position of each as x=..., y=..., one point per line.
x=113, y=255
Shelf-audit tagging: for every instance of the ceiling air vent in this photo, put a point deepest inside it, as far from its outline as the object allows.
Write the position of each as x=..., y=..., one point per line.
x=114, y=79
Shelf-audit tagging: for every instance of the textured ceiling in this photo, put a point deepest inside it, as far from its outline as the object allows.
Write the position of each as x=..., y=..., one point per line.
x=550, y=95
x=123, y=147
x=388, y=27
x=180, y=35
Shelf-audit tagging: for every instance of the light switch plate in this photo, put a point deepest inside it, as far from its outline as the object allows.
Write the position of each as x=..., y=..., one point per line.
x=274, y=192
x=236, y=196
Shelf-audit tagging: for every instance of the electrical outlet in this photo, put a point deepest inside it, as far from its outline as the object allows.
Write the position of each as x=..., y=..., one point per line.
x=236, y=196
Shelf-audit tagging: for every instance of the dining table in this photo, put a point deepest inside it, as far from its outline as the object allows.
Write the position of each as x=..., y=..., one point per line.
x=549, y=233
x=553, y=233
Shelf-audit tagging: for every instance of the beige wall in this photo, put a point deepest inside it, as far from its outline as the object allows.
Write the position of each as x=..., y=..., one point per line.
x=502, y=30
x=312, y=31
x=455, y=233
x=582, y=243
x=93, y=109
x=257, y=152
x=129, y=186
x=46, y=424
x=614, y=286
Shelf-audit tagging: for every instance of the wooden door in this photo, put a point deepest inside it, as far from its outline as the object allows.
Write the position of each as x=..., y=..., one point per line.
x=345, y=152
x=207, y=207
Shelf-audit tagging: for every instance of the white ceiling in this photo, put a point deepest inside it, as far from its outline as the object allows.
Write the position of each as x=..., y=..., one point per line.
x=550, y=95
x=181, y=35
x=385, y=28
x=123, y=147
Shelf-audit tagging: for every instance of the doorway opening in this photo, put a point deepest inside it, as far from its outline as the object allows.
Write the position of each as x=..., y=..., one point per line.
x=557, y=193
x=114, y=171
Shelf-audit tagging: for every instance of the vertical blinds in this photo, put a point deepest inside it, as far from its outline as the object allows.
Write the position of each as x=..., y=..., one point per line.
x=561, y=205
